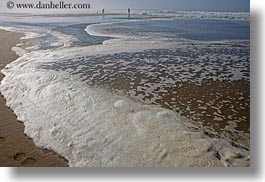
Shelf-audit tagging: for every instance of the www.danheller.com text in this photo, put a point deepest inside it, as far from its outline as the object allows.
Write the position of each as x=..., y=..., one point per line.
x=49, y=5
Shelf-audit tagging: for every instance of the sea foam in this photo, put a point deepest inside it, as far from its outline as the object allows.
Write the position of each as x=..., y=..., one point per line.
x=91, y=127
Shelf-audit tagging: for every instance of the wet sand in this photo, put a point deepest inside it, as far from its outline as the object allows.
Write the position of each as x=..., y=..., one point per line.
x=16, y=149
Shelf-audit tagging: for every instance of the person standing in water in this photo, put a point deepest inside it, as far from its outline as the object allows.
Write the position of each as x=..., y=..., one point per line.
x=103, y=13
x=129, y=13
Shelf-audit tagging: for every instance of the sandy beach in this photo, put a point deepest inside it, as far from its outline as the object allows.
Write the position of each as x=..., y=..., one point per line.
x=16, y=149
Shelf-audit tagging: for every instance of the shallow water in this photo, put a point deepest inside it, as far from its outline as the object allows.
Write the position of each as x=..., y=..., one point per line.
x=192, y=29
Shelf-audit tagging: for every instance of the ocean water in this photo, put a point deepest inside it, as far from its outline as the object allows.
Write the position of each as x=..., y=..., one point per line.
x=119, y=92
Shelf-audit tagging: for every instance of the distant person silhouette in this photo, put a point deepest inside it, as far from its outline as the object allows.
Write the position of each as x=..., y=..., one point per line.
x=129, y=13
x=103, y=13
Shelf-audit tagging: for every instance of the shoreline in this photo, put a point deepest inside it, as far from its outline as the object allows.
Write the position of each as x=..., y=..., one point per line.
x=16, y=149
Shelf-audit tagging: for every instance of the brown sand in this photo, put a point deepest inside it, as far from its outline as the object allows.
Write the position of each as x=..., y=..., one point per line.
x=16, y=149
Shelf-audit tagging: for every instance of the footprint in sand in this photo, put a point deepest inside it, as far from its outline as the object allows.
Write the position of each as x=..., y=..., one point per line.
x=25, y=161
x=19, y=156
x=29, y=162
x=2, y=140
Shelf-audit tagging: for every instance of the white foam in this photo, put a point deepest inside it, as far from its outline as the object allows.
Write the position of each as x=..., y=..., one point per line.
x=63, y=39
x=91, y=127
x=27, y=34
x=141, y=41
x=19, y=51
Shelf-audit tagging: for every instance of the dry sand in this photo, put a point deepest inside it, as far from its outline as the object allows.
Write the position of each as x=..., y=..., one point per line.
x=16, y=149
